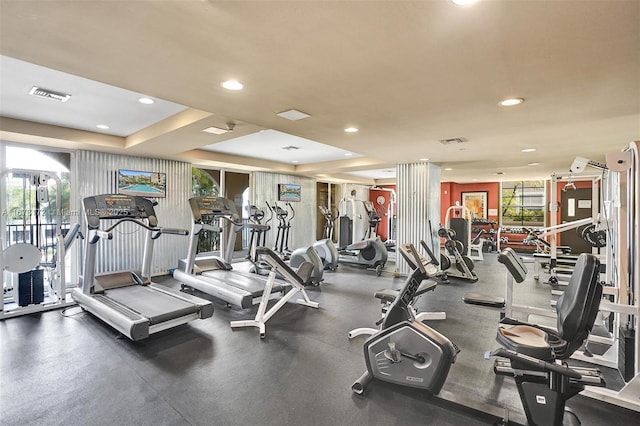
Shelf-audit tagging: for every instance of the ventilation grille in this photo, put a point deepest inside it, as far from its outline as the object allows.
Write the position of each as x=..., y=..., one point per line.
x=452, y=141
x=49, y=94
x=290, y=148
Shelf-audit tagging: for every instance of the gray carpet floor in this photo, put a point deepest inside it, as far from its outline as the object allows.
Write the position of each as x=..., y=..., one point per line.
x=73, y=369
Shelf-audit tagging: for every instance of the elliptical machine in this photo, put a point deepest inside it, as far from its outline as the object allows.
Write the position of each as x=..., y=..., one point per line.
x=369, y=252
x=325, y=247
x=281, y=245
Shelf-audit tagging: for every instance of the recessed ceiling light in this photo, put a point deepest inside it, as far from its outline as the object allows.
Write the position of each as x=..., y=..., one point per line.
x=215, y=130
x=529, y=150
x=423, y=159
x=294, y=161
x=448, y=169
x=102, y=126
x=232, y=85
x=293, y=115
x=348, y=154
x=351, y=129
x=511, y=101
x=146, y=101
x=533, y=164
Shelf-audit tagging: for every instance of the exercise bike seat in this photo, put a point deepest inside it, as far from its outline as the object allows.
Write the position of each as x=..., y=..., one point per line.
x=577, y=309
x=389, y=295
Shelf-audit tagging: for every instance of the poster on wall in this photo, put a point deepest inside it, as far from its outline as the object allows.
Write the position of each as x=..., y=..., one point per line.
x=144, y=184
x=476, y=202
x=289, y=192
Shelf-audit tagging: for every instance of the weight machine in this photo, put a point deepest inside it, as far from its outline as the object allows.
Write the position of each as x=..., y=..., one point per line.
x=622, y=211
x=32, y=252
x=456, y=245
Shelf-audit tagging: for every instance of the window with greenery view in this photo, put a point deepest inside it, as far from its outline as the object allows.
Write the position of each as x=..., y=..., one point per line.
x=204, y=183
x=523, y=203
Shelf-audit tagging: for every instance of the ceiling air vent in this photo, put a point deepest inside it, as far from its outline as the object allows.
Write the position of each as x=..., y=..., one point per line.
x=49, y=94
x=452, y=141
x=293, y=115
x=290, y=147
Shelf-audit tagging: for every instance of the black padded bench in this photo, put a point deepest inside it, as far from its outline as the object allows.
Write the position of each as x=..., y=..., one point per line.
x=389, y=295
x=518, y=272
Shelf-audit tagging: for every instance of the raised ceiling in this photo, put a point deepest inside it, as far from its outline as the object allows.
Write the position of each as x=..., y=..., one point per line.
x=407, y=74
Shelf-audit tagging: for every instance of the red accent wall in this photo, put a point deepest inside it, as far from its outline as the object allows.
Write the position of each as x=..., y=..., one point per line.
x=450, y=192
x=383, y=229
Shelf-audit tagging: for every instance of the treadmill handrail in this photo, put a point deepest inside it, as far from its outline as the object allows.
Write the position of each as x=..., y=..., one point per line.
x=136, y=221
x=237, y=223
x=174, y=231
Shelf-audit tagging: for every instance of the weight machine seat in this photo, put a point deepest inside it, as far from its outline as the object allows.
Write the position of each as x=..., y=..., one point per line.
x=389, y=295
x=577, y=309
x=514, y=264
x=483, y=300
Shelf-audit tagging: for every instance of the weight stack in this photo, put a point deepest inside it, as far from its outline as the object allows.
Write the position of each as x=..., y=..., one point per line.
x=31, y=287
x=346, y=231
x=626, y=352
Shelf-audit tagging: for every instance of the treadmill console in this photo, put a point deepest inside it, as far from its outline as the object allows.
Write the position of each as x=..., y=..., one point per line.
x=117, y=206
x=210, y=207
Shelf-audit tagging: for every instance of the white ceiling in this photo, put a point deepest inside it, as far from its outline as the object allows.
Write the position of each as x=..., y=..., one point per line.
x=278, y=146
x=388, y=173
x=407, y=74
x=91, y=103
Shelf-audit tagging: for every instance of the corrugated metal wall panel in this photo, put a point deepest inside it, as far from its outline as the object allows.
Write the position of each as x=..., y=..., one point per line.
x=303, y=227
x=418, y=198
x=98, y=174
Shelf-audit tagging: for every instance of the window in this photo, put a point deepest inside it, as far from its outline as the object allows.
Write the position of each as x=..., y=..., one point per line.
x=522, y=203
x=205, y=182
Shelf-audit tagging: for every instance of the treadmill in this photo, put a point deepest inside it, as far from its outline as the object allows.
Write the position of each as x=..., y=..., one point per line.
x=128, y=301
x=212, y=274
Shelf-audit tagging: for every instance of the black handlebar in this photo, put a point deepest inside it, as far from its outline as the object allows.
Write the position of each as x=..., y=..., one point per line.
x=537, y=364
x=137, y=222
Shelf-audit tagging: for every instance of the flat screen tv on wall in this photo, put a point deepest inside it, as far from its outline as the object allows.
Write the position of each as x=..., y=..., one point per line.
x=288, y=192
x=144, y=184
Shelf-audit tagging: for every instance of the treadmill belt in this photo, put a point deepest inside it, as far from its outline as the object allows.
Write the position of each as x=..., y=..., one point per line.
x=251, y=284
x=158, y=307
